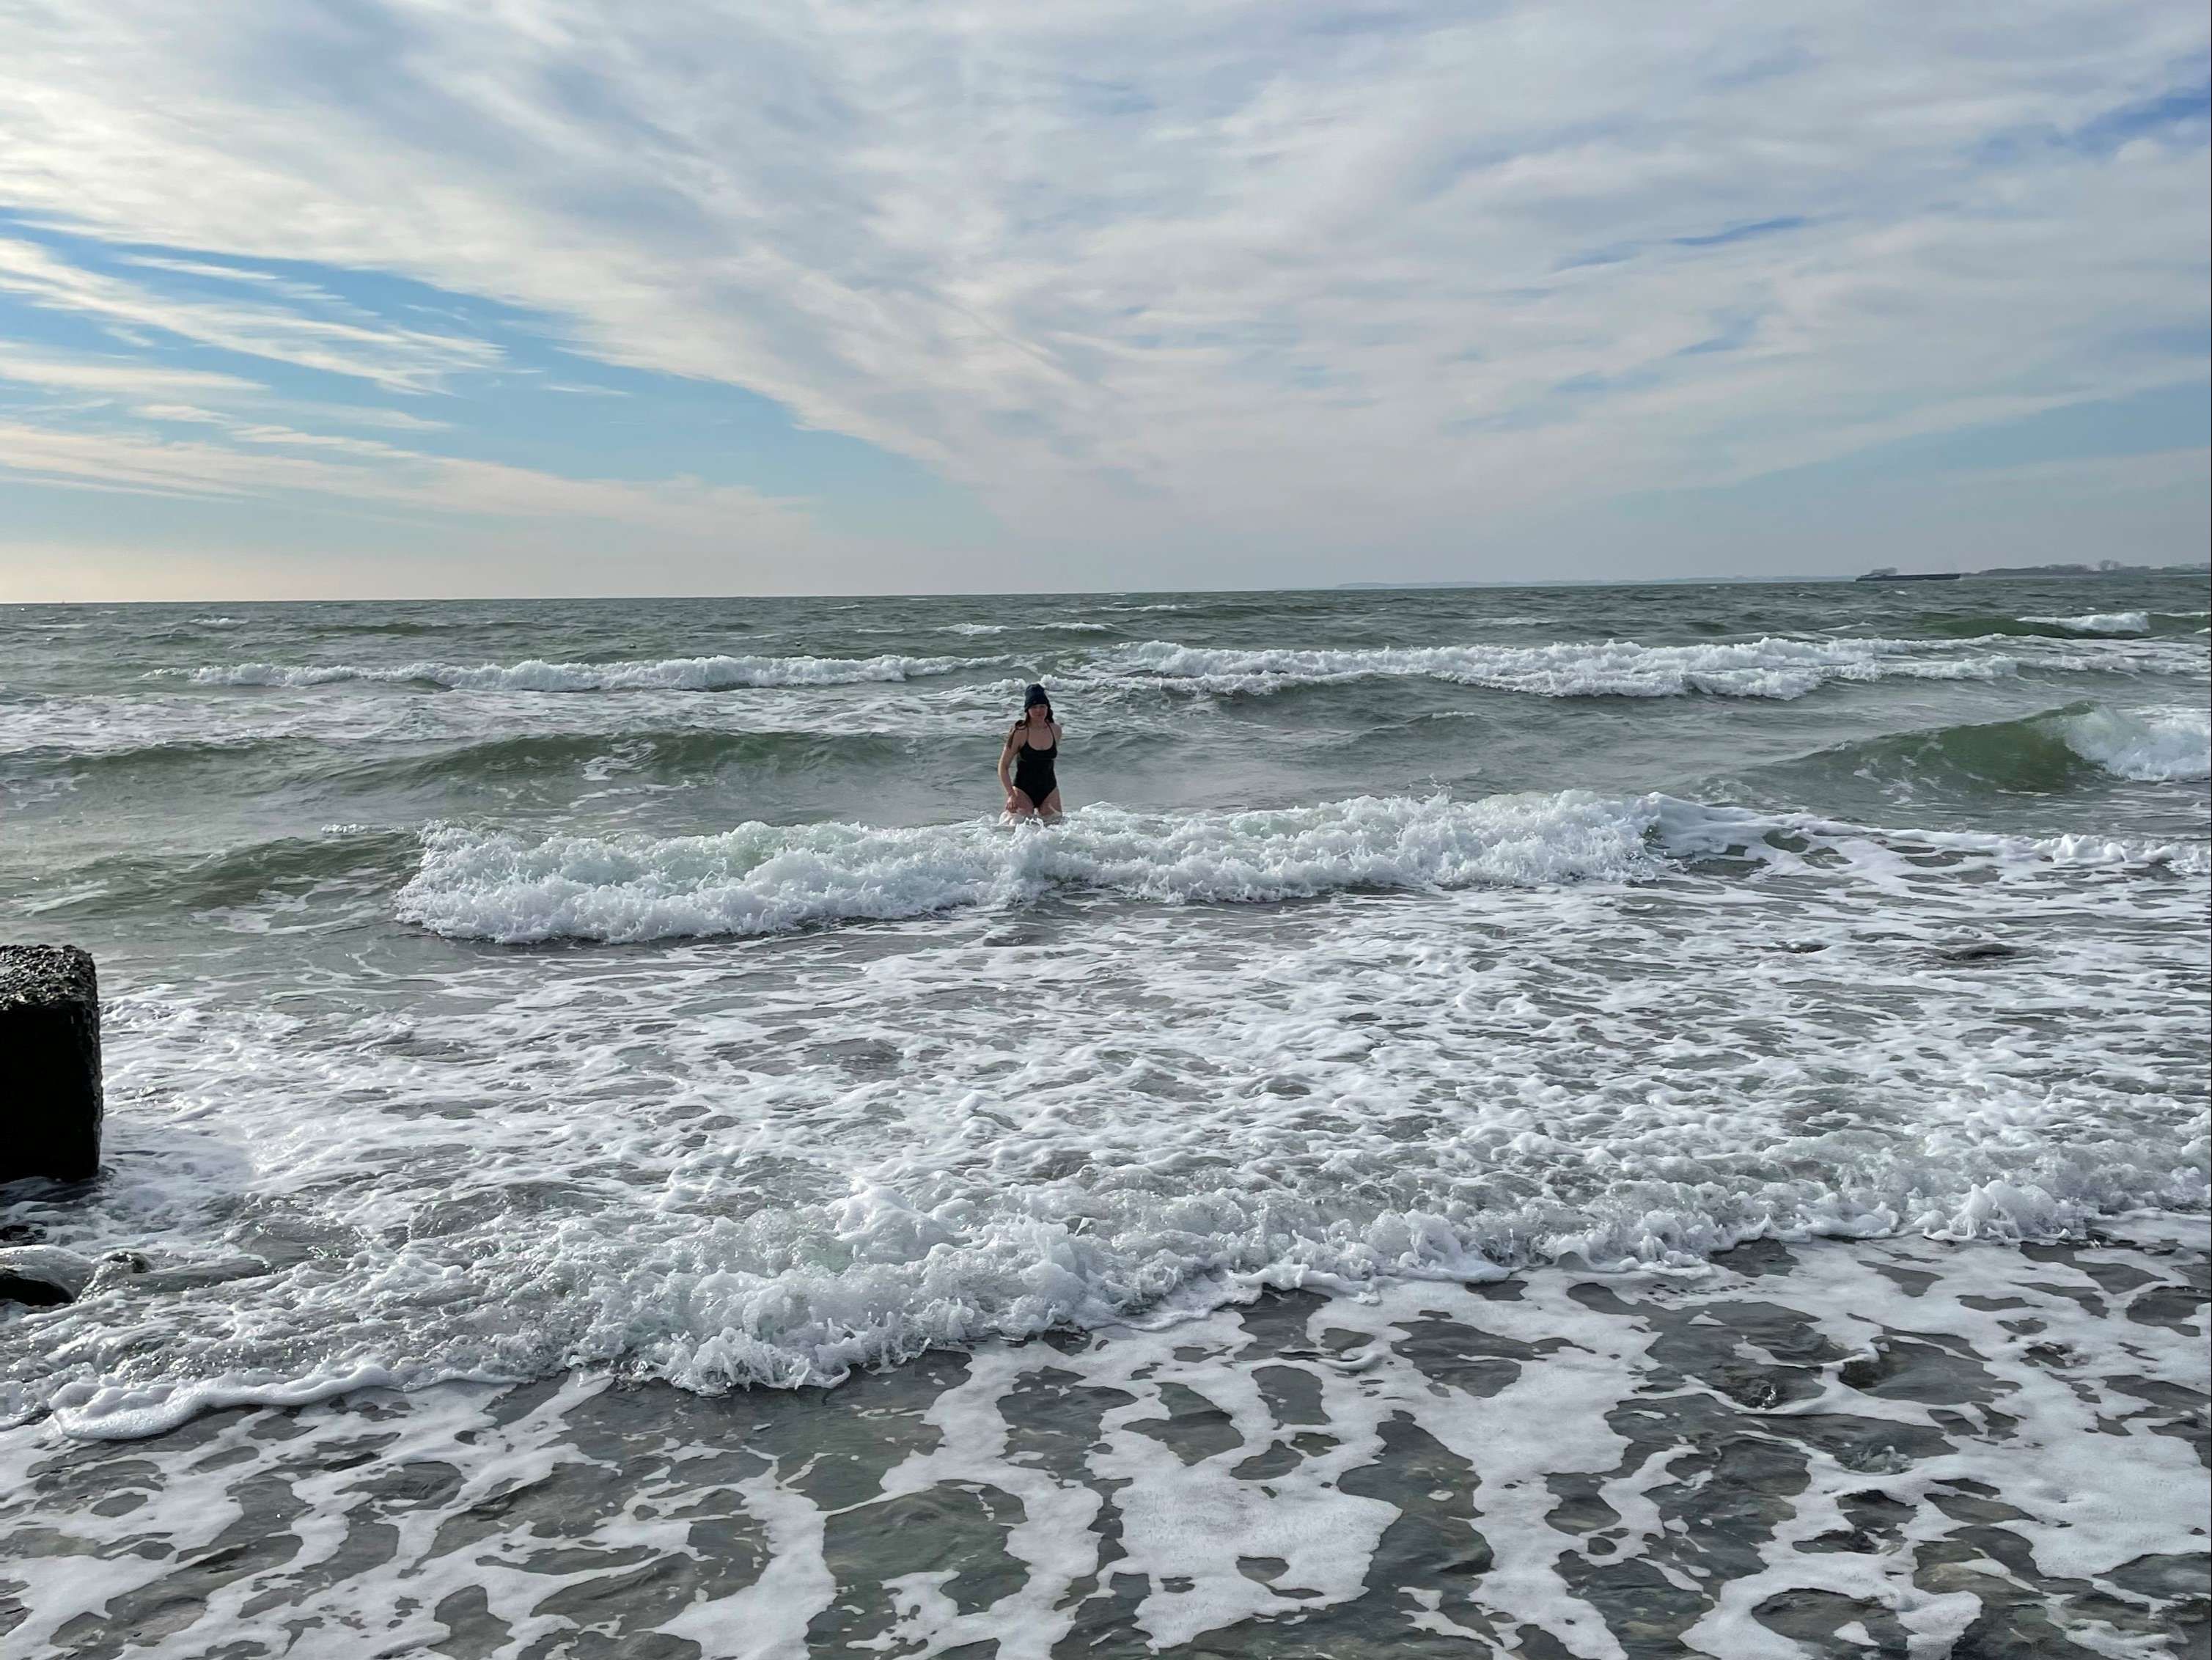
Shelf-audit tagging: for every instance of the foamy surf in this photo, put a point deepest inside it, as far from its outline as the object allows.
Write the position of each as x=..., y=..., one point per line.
x=759, y=879
x=1424, y=1462
x=721, y=1169
x=764, y=879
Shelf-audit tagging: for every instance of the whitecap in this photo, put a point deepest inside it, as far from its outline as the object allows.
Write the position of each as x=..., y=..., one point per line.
x=764, y=879
x=1770, y=667
x=2102, y=622
x=760, y=879
x=667, y=674
x=2149, y=745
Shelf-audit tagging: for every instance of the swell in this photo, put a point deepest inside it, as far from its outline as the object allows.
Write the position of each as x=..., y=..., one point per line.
x=2087, y=625
x=712, y=673
x=158, y=758
x=356, y=858
x=1772, y=666
x=676, y=753
x=669, y=752
x=2076, y=746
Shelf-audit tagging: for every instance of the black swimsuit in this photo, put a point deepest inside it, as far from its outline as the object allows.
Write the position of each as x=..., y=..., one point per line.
x=1033, y=771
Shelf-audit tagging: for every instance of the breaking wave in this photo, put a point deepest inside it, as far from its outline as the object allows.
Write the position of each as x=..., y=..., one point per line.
x=764, y=879
x=2043, y=754
x=2092, y=625
x=2149, y=745
x=2098, y=623
x=665, y=674
x=1773, y=667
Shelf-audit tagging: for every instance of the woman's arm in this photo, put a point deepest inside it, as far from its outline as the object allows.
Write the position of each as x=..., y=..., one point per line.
x=1007, y=762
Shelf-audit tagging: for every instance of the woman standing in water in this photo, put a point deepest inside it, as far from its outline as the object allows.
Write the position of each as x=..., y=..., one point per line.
x=1026, y=764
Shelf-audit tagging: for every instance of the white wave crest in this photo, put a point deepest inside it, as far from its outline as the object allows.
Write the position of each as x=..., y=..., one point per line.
x=2101, y=622
x=1773, y=667
x=667, y=674
x=1008, y=627
x=762, y=878
x=2149, y=745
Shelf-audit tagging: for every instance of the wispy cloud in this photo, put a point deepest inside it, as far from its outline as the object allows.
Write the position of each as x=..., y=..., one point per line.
x=278, y=329
x=125, y=377
x=421, y=484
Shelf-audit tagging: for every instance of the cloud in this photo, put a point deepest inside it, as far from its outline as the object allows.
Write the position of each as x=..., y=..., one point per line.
x=119, y=377
x=1259, y=286
x=399, y=360
x=397, y=480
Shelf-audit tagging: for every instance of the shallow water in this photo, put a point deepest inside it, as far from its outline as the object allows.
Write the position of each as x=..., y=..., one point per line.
x=504, y=994
x=1899, y=1447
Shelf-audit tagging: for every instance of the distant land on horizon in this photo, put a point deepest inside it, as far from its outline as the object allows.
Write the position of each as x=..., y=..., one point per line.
x=1580, y=582
x=2102, y=567
x=1886, y=573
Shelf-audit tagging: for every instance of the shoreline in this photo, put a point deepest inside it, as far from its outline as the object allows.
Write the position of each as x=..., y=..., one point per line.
x=1865, y=1446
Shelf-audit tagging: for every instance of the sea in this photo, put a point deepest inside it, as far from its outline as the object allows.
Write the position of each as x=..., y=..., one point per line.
x=1559, y=1121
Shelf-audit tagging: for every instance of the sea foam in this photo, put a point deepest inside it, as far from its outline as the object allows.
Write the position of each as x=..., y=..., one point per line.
x=722, y=1167
x=762, y=878
x=759, y=879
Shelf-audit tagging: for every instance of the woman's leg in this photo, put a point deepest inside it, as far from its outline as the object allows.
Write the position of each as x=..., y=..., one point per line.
x=1019, y=805
x=1049, y=808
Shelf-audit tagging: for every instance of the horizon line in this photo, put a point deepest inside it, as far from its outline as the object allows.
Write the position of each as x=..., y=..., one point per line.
x=1407, y=585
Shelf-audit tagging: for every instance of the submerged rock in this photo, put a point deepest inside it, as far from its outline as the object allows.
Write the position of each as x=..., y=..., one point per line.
x=1980, y=951
x=43, y=1276
x=50, y=1088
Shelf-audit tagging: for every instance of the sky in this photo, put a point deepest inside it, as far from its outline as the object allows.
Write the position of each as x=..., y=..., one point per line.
x=350, y=298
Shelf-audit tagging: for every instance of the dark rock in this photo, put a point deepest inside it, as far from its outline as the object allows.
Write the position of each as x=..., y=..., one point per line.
x=31, y=1292
x=42, y=1276
x=1861, y=1371
x=148, y=1281
x=1980, y=951
x=49, y=1093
